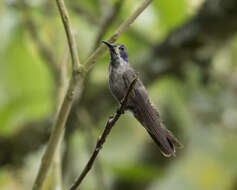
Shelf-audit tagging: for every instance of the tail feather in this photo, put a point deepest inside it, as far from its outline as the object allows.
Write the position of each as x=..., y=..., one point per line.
x=147, y=115
x=163, y=150
x=169, y=140
x=173, y=139
x=150, y=119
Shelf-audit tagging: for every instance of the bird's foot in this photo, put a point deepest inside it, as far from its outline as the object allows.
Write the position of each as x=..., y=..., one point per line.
x=119, y=111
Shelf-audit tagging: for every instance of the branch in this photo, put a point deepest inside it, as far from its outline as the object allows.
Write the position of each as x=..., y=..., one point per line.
x=59, y=124
x=56, y=169
x=101, y=140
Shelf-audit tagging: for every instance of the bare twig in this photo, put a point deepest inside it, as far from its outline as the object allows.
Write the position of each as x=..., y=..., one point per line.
x=101, y=140
x=59, y=124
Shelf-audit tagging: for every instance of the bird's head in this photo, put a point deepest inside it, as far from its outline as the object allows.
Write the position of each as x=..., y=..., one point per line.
x=118, y=52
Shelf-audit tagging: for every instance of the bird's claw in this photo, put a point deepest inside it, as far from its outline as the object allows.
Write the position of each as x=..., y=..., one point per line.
x=119, y=111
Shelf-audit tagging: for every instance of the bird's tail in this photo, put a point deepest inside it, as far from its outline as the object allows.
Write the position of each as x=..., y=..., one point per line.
x=147, y=115
x=168, y=143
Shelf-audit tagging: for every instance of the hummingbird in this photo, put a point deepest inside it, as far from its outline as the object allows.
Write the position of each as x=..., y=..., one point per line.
x=121, y=74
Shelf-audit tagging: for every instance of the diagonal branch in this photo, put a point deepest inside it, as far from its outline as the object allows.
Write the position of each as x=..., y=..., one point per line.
x=101, y=140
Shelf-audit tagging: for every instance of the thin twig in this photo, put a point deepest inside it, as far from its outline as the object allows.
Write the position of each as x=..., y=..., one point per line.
x=59, y=124
x=101, y=140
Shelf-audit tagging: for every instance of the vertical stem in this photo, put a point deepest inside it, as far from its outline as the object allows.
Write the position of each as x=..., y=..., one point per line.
x=56, y=170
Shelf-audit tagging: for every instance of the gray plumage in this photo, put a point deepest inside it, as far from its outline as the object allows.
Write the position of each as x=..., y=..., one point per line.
x=121, y=74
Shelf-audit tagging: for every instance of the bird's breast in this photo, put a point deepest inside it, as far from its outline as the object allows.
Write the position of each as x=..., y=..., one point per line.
x=116, y=83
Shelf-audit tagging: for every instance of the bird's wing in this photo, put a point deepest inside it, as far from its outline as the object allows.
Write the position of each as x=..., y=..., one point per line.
x=146, y=114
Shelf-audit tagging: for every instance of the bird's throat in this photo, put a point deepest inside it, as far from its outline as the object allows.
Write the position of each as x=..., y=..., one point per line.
x=115, y=62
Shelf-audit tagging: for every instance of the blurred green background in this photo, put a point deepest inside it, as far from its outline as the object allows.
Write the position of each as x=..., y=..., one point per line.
x=196, y=94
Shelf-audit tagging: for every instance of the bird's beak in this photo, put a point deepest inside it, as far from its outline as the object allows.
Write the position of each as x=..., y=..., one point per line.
x=111, y=46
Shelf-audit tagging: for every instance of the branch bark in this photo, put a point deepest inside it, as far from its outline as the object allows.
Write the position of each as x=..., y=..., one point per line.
x=56, y=179
x=101, y=140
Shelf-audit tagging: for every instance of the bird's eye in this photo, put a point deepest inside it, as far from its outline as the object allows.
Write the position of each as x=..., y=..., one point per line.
x=121, y=48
